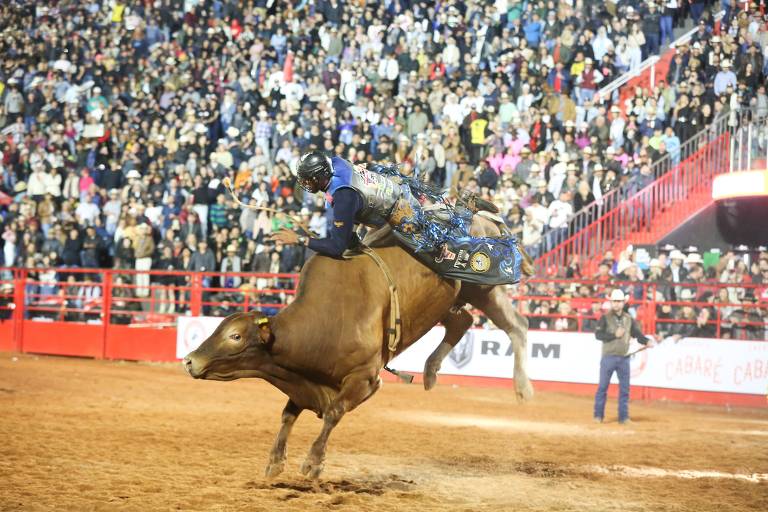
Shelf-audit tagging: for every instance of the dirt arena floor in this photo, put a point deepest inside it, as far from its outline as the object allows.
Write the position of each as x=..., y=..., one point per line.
x=87, y=435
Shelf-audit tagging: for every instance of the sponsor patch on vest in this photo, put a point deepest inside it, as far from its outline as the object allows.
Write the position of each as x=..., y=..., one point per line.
x=480, y=262
x=338, y=223
x=462, y=259
x=445, y=255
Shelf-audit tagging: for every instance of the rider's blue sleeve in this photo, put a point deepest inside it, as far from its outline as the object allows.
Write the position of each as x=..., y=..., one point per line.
x=346, y=203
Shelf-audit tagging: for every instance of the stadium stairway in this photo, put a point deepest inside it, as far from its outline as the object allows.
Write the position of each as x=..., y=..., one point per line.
x=648, y=215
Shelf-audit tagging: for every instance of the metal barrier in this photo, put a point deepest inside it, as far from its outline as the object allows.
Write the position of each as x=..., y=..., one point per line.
x=614, y=198
x=119, y=314
x=106, y=312
x=661, y=205
x=734, y=310
x=749, y=147
x=649, y=65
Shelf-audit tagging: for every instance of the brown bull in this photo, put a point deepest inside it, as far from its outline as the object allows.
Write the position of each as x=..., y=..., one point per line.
x=326, y=349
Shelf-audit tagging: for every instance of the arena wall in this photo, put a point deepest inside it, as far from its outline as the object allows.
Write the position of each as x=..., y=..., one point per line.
x=706, y=371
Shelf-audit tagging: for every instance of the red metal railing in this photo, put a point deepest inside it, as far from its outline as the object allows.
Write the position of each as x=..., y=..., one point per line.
x=649, y=213
x=742, y=313
x=107, y=314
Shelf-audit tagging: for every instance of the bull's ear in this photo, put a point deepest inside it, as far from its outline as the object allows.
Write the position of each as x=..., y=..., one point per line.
x=264, y=330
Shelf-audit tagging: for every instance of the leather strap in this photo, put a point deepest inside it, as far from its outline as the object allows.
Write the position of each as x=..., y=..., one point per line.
x=394, y=331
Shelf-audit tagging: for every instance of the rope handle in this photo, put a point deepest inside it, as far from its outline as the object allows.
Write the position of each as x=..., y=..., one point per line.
x=299, y=222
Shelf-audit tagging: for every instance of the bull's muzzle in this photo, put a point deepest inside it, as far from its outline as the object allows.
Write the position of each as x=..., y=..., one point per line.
x=192, y=369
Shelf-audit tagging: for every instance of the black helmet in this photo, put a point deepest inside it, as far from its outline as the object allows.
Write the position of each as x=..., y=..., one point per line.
x=314, y=172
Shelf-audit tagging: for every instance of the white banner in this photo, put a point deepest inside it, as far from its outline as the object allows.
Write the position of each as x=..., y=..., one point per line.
x=564, y=357
x=692, y=363
x=191, y=331
x=706, y=365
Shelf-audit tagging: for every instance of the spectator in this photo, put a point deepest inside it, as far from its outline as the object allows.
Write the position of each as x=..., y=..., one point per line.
x=144, y=247
x=615, y=329
x=231, y=263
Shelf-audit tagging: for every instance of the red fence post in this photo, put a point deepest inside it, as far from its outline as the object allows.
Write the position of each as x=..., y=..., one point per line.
x=106, y=311
x=651, y=318
x=18, y=313
x=196, y=294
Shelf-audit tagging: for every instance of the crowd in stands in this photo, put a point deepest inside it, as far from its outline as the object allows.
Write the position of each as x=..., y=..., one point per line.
x=120, y=119
x=720, y=295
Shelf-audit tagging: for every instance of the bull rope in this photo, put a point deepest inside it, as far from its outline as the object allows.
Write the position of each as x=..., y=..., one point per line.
x=298, y=221
x=394, y=331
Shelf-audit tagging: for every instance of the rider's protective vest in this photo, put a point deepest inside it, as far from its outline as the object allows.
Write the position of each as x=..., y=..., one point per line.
x=379, y=192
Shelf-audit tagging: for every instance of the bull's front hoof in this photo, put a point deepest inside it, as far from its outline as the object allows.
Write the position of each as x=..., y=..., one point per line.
x=312, y=469
x=274, y=469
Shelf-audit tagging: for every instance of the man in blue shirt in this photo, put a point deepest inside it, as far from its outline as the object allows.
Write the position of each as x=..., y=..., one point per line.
x=436, y=234
x=724, y=77
x=347, y=187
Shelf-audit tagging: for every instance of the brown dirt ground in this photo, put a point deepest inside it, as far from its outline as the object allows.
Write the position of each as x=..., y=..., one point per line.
x=82, y=435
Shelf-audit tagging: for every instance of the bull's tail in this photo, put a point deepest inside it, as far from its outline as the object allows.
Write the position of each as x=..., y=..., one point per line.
x=475, y=203
x=486, y=206
x=527, y=267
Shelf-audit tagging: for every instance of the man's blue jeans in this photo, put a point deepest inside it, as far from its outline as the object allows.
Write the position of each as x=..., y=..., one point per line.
x=666, y=30
x=608, y=365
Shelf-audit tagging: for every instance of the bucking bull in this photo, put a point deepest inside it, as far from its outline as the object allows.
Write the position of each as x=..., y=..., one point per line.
x=326, y=349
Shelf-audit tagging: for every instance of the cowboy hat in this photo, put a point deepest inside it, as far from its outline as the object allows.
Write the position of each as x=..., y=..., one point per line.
x=694, y=258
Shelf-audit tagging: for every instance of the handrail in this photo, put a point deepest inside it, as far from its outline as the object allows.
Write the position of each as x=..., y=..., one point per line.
x=683, y=39
x=613, y=198
x=607, y=91
x=727, y=122
x=648, y=63
x=635, y=212
x=19, y=305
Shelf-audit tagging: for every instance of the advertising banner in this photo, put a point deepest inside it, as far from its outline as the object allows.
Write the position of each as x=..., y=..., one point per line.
x=691, y=364
x=191, y=331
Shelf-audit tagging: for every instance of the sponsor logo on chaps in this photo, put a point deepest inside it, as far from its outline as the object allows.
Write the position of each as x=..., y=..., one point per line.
x=461, y=354
x=480, y=262
x=462, y=259
x=445, y=255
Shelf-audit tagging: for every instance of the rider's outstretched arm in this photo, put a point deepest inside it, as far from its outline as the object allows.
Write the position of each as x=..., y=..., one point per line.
x=346, y=203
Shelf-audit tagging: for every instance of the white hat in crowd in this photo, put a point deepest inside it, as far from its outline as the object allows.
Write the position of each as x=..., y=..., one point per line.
x=676, y=255
x=694, y=258
x=618, y=295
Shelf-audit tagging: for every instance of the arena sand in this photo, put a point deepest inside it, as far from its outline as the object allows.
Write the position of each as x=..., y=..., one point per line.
x=88, y=435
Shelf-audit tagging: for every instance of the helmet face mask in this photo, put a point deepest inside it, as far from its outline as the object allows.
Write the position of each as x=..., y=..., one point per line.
x=311, y=185
x=314, y=172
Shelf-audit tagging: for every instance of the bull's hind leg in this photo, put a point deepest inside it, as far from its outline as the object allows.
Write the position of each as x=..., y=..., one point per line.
x=495, y=304
x=278, y=453
x=456, y=324
x=355, y=389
